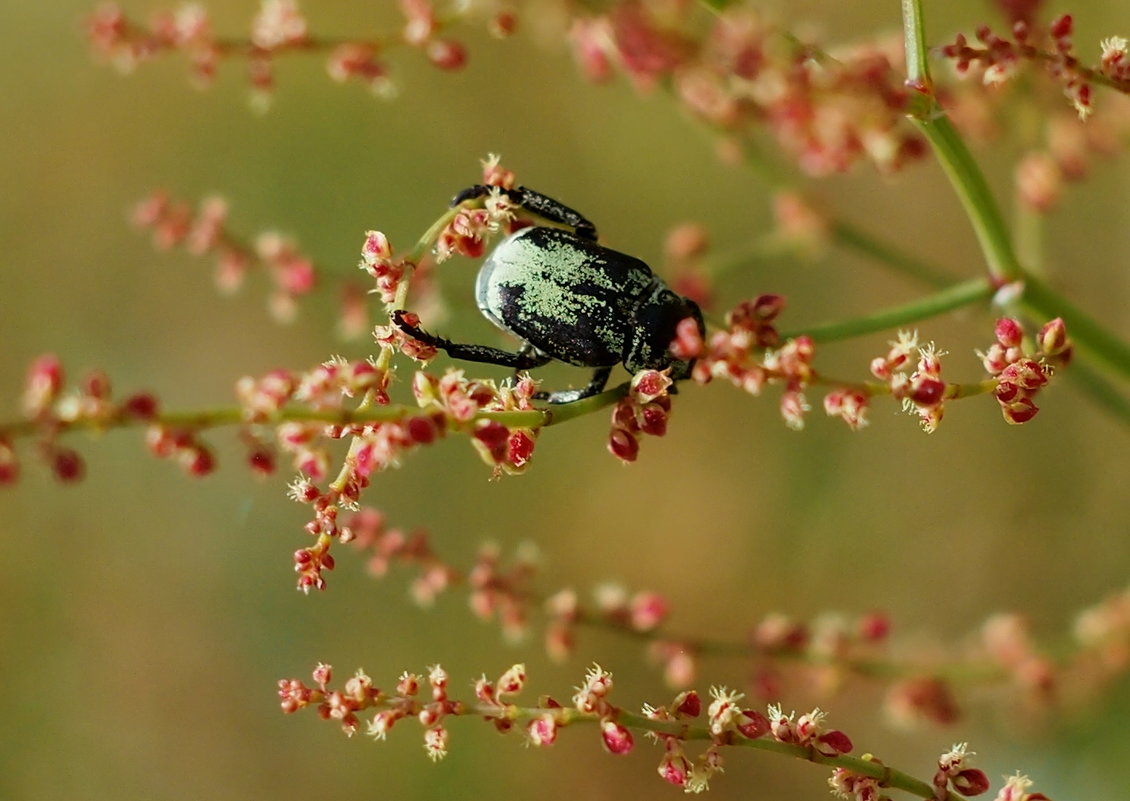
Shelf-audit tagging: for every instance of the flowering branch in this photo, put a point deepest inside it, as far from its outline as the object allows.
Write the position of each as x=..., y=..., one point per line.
x=729, y=724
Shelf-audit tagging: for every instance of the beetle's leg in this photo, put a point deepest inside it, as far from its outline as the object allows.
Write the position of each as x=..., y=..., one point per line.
x=595, y=386
x=525, y=359
x=539, y=204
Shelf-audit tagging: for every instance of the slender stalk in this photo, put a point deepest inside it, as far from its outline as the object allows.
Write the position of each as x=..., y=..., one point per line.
x=954, y=297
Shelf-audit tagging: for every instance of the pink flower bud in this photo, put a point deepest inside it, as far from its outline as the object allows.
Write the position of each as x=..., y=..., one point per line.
x=688, y=704
x=617, y=738
x=446, y=54
x=753, y=724
x=647, y=385
x=1008, y=332
x=833, y=743
x=623, y=445
x=1053, y=337
x=674, y=768
x=542, y=730
x=970, y=781
x=512, y=680
x=322, y=675
x=67, y=465
x=520, y=447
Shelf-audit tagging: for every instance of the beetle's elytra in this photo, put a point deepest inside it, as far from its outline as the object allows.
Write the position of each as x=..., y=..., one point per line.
x=571, y=299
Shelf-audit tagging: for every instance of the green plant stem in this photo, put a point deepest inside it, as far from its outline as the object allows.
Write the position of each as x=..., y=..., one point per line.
x=1091, y=339
x=947, y=300
x=234, y=415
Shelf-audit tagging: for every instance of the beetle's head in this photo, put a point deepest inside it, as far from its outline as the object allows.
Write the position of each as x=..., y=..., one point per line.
x=648, y=344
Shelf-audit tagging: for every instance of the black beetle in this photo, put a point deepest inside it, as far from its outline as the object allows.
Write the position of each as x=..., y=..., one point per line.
x=571, y=299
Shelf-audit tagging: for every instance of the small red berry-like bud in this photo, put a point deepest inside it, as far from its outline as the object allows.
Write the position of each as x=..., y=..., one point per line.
x=767, y=307
x=688, y=704
x=1018, y=411
x=1008, y=332
x=376, y=247
x=652, y=419
x=647, y=385
x=927, y=391
x=752, y=724
x=421, y=429
x=140, y=406
x=322, y=675
x=520, y=447
x=688, y=341
x=623, y=445
x=261, y=460
x=446, y=54
x=833, y=743
x=512, y=680
x=1052, y=338
x=95, y=384
x=647, y=610
x=492, y=438
x=197, y=460
x=1061, y=26
x=44, y=382
x=970, y=781
x=503, y=24
x=675, y=768
x=617, y=738
x=874, y=626
x=542, y=730
x=67, y=465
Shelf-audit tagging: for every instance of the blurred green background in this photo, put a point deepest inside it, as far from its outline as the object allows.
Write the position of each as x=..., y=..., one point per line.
x=144, y=617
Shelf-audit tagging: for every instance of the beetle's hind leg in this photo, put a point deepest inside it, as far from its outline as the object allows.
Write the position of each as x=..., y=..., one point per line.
x=525, y=359
x=595, y=386
x=541, y=205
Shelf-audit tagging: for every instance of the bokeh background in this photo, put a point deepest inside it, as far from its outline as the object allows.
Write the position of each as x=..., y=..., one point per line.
x=144, y=617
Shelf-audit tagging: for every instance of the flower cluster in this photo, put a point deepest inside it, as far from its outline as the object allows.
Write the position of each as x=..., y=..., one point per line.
x=50, y=409
x=1019, y=376
x=922, y=391
x=998, y=58
x=828, y=110
x=644, y=410
x=954, y=771
x=750, y=354
x=359, y=695
x=172, y=223
x=280, y=28
x=728, y=722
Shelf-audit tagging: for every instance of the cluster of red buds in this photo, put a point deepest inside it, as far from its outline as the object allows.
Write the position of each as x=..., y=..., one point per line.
x=954, y=772
x=828, y=110
x=749, y=353
x=644, y=410
x=998, y=58
x=50, y=409
x=359, y=695
x=507, y=450
x=204, y=233
x=471, y=227
x=922, y=391
x=445, y=402
x=280, y=28
x=1020, y=376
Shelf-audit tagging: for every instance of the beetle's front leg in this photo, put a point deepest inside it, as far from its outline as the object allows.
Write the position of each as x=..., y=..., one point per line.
x=525, y=359
x=541, y=205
